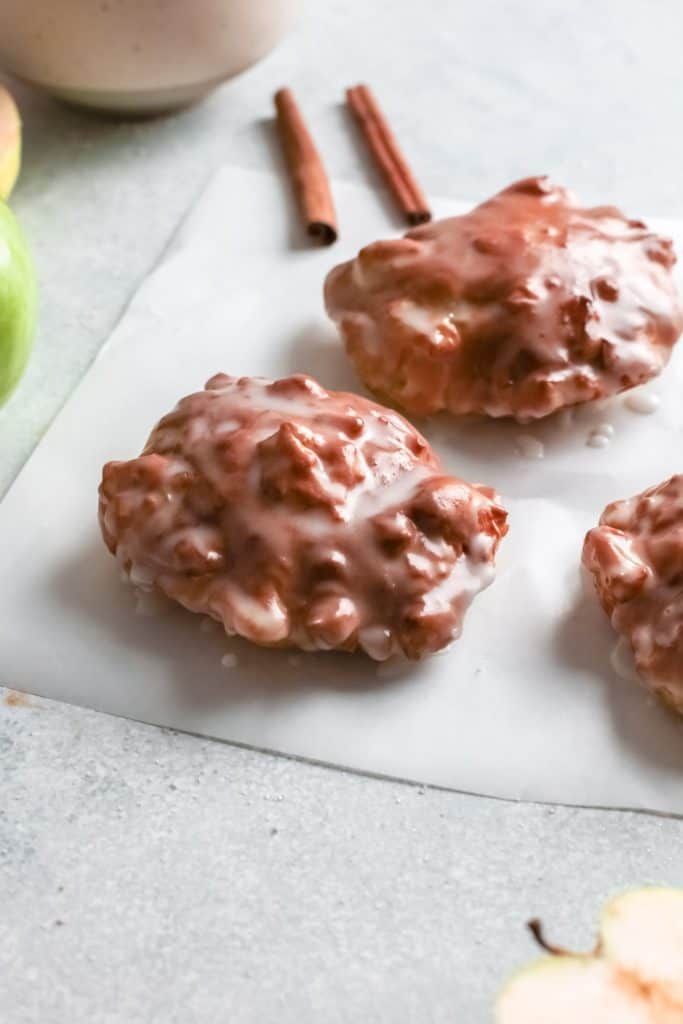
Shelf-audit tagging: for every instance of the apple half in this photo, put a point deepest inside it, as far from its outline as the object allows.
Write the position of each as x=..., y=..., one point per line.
x=634, y=976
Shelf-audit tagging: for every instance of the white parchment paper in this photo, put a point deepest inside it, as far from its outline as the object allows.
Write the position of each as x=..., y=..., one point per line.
x=526, y=705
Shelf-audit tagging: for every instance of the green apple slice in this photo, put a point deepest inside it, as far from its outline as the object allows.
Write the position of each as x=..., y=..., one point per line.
x=17, y=302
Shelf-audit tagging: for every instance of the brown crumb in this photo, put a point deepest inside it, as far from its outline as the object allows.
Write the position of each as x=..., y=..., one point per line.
x=14, y=699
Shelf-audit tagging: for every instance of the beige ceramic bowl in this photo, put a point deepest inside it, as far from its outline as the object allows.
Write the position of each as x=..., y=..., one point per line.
x=136, y=56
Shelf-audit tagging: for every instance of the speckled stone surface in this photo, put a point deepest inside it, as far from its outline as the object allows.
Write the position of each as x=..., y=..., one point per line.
x=152, y=877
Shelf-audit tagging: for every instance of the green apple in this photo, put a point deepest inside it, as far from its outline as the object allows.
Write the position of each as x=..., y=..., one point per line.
x=17, y=302
x=634, y=975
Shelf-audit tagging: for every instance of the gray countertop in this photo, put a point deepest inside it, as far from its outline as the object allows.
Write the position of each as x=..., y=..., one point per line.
x=147, y=876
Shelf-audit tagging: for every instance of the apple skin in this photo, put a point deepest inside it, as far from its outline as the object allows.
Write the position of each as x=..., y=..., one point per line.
x=17, y=302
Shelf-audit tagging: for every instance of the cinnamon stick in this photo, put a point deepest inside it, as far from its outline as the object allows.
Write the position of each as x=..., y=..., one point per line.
x=306, y=170
x=387, y=154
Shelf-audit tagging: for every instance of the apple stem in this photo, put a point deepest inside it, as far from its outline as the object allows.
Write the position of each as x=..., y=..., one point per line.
x=536, y=929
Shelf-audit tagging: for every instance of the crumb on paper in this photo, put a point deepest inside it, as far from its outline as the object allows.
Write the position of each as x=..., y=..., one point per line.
x=642, y=402
x=15, y=699
x=596, y=439
x=529, y=447
x=229, y=660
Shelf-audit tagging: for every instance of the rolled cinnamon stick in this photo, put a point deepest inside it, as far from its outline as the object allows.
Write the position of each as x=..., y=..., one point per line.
x=309, y=178
x=387, y=154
